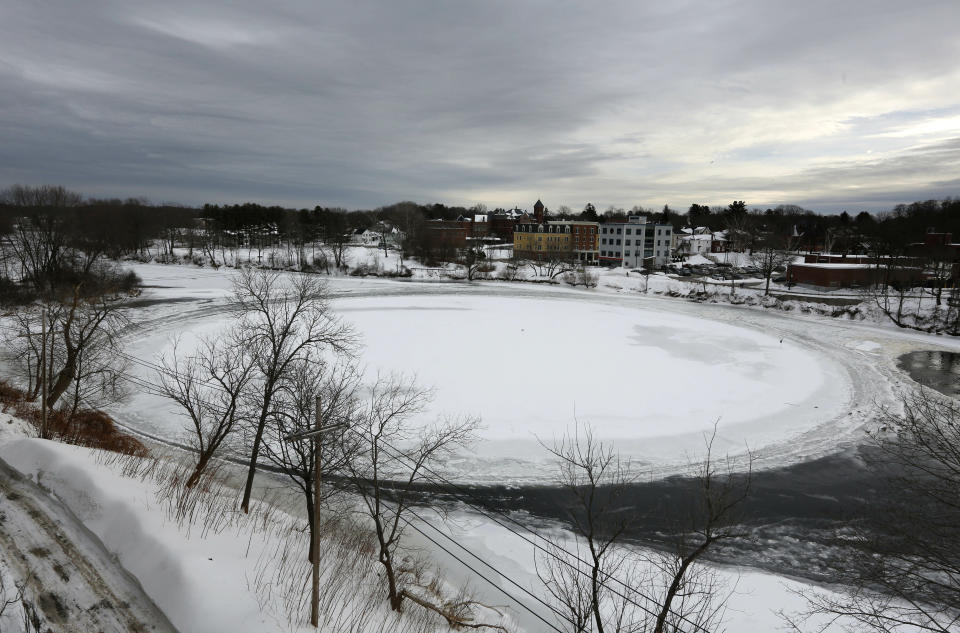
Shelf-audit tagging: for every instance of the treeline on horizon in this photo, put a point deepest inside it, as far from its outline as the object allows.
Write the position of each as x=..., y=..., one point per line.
x=126, y=226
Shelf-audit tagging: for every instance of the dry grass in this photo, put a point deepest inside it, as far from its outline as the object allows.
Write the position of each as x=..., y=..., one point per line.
x=94, y=429
x=352, y=587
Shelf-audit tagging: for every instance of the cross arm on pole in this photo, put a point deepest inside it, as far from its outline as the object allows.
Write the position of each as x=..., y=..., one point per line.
x=301, y=435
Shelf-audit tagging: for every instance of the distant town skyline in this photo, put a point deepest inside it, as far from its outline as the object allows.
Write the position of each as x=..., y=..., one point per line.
x=829, y=106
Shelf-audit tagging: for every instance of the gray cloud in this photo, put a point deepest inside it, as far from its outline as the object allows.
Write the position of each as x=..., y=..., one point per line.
x=361, y=104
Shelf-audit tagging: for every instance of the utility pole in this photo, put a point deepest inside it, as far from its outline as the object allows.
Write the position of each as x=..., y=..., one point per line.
x=315, y=590
x=316, y=433
x=43, y=372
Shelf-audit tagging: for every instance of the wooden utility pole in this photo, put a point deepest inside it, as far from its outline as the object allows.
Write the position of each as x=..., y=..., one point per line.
x=315, y=591
x=316, y=433
x=43, y=372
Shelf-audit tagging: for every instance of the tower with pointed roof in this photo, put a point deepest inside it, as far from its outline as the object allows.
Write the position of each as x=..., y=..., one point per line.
x=538, y=211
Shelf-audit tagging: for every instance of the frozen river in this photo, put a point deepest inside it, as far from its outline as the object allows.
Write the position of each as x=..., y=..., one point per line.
x=650, y=374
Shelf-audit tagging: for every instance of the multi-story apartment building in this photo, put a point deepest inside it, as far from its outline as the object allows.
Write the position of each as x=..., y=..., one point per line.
x=635, y=243
x=543, y=241
x=562, y=239
x=585, y=240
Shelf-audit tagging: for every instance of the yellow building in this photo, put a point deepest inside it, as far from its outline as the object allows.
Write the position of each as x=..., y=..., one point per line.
x=556, y=240
x=542, y=241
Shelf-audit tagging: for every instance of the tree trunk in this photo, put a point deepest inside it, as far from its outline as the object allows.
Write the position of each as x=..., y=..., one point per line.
x=198, y=471
x=257, y=439
x=66, y=375
x=396, y=600
x=675, y=585
x=252, y=469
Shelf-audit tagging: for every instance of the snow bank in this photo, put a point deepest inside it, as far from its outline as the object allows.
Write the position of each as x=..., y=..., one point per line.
x=697, y=260
x=755, y=599
x=216, y=569
x=200, y=583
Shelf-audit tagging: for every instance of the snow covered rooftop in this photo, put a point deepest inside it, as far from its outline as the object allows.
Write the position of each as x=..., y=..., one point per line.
x=832, y=266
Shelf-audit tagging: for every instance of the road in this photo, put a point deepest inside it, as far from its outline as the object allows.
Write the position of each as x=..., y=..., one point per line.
x=73, y=581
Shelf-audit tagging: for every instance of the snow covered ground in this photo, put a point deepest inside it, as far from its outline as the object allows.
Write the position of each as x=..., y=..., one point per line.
x=226, y=578
x=207, y=566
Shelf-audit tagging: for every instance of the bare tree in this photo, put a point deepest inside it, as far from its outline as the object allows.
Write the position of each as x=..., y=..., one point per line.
x=338, y=242
x=474, y=258
x=740, y=231
x=81, y=347
x=582, y=276
x=691, y=592
x=55, y=196
x=209, y=385
x=602, y=586
x=904, y=573
x=597, y=481
x=552, y=264
x=83, y=324
x=284, y=320
x=391, y=455
x=769, y=256
x=100, y=374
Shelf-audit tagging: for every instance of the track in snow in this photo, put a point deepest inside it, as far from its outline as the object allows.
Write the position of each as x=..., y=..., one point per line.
x=73, y=581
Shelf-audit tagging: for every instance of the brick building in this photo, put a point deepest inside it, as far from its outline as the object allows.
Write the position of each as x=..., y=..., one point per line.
x=850, y=275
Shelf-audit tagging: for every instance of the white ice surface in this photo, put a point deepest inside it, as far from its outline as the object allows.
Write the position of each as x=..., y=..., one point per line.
x=645, y=374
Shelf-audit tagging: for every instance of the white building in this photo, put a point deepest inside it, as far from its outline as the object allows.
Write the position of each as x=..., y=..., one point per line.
x=701, y=241
x=635, y=243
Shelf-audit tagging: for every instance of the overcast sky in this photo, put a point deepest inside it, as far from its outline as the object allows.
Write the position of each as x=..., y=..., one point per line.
x=830, y=105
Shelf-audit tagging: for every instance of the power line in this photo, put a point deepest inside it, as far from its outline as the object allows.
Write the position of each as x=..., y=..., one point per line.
x=144, y=383
x=462, y=496
x=541, y=548
x=478, y=573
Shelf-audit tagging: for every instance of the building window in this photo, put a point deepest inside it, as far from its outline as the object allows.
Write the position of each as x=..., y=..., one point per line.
x=618, y=242
x=603, y=240
x=628, y=231
x=626, y=254
x=618, y=231
x=627, y=242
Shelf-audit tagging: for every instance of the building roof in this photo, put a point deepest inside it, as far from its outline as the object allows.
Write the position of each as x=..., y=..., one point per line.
x=831, y=266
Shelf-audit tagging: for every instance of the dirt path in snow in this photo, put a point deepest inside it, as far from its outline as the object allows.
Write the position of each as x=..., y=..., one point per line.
x=73, y=581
